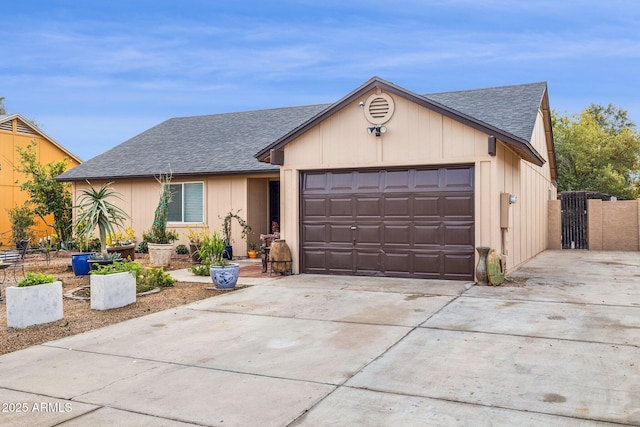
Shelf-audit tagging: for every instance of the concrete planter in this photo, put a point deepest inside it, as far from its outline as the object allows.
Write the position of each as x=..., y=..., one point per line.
x=160, y=254
x=33, y=305
x=112, y=290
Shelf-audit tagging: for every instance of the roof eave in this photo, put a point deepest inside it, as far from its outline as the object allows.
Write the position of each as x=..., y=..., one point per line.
x=60, y=178
x=521, y=146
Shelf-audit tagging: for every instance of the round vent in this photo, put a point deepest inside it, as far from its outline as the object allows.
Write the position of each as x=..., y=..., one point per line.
x=379, y=108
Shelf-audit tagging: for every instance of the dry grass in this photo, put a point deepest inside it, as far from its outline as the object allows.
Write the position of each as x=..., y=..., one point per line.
x=78, y=316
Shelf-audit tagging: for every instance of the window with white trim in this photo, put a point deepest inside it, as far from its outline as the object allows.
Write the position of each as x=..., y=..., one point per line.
x=187, y=202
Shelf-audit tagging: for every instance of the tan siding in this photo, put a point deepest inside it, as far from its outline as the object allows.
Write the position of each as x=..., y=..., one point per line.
x=257, y=208
x=222, y=194
x=418, y=136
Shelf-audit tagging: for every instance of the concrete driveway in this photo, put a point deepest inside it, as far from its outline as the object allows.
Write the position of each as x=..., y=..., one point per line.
x=560, y=350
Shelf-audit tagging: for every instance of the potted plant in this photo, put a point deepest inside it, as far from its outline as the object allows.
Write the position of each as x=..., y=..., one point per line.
x=80, y=261
x=196, y=236
x=226, y=231
x=159, y=240
x=123, y=243
x=253, y=251
x=35, y=299
x=223, y=274
x=96, y=210
x=114, y=285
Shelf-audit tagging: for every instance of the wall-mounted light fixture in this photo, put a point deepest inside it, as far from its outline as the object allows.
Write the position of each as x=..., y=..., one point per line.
x=378, y=130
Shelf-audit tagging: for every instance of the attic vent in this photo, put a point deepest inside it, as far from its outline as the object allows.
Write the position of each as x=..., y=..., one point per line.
x=379, y=108
x=21, y=127
x=6, y=126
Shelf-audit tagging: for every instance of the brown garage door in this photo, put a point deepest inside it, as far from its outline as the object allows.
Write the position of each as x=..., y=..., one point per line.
x=399, y=223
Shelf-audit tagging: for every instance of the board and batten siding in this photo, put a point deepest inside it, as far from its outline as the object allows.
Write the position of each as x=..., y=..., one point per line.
x=418, y=136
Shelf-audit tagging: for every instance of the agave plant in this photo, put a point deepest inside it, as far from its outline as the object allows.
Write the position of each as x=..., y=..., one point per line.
x=97, y=211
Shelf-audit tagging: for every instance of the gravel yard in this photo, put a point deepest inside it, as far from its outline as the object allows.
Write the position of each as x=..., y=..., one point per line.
x=78, y=316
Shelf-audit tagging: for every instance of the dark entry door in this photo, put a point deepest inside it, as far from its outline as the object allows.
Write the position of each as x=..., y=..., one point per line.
x=416, y=222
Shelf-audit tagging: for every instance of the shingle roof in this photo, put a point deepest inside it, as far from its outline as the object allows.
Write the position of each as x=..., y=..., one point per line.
x=512, y=109
x=226, y=143
x=212, y=144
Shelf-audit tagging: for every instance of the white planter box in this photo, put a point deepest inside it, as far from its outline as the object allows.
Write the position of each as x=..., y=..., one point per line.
x=112, y=290
x=33, y=305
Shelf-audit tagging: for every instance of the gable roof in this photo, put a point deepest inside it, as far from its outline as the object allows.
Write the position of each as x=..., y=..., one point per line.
x=27, y=128
x=222, y=144
x=508, y=113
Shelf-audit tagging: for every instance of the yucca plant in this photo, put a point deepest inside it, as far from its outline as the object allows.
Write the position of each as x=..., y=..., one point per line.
x=97, y=211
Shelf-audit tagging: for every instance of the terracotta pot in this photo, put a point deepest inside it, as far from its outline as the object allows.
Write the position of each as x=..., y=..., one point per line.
x=126, y=251
x=195, y=255
x=280, y=257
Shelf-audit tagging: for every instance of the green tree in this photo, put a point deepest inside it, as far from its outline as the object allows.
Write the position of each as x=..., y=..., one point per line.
x=48, y=196
x=598, y=150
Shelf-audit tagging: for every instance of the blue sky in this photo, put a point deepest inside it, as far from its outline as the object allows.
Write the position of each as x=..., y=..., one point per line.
x=93, y=74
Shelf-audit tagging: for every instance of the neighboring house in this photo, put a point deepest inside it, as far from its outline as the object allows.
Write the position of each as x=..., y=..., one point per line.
x=383, y=182
x=16, y=131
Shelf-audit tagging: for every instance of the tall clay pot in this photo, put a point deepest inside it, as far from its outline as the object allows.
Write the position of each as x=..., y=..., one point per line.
x=481, y=269
x=193, y=251
x=280, y=257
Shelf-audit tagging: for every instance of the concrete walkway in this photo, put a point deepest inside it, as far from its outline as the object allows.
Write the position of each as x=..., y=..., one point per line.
x=562, y=350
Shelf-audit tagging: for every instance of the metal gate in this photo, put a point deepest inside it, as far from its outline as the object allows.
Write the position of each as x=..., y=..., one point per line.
x=574, y=220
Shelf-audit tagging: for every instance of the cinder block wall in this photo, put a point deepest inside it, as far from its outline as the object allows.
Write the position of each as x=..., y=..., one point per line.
x=611, y=225
x=619, y=225
x=594, y=224
x=554, y=225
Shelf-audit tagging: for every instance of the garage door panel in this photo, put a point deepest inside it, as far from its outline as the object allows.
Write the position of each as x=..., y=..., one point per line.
x=397, y=234
x=314, y=208
x=315, y=183
x=427, y=263
x=341, y=182
x=458, y=235
x=398, y=207
x=369, y=234
x=458, y=178
x=368, y=262
x=457, y=266
x=426, y=180
x=368, y=182
x=397, y=263
x=368, y=208
x=400, y=222
x=315, y=233
x=340, y=261
x=427, y=234
x=314, y=260
x=341, y=207
x=426, y=207
x=397, y=181
x=339, y=233
x=458, y=207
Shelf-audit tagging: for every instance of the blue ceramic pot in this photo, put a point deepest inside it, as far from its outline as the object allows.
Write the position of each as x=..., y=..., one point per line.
x=80, y=264
x=225, y=277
